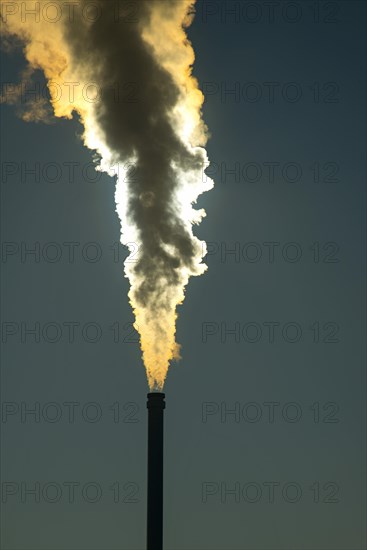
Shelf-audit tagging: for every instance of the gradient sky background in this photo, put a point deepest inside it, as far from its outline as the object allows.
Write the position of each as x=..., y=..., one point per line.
x=216, y=374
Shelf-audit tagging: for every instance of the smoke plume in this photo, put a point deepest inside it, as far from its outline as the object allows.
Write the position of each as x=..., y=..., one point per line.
x=126, y=69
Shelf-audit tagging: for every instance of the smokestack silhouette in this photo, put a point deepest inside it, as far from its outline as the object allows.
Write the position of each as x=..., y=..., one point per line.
x=156, y=406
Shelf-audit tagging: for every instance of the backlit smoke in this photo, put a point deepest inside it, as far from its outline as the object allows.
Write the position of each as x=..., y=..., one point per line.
x=126, y=68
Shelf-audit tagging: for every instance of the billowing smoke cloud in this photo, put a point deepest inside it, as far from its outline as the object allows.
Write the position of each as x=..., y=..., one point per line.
x=127, y=69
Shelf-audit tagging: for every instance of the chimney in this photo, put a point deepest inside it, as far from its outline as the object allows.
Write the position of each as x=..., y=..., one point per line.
x=156, y=406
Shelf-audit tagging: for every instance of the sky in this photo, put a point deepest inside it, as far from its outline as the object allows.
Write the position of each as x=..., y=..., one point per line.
x=264, y=419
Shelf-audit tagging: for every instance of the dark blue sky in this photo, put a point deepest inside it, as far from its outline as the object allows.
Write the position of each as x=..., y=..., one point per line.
x=264, y=433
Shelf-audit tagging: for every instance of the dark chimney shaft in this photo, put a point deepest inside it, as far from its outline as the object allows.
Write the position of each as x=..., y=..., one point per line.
x=155, y=406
